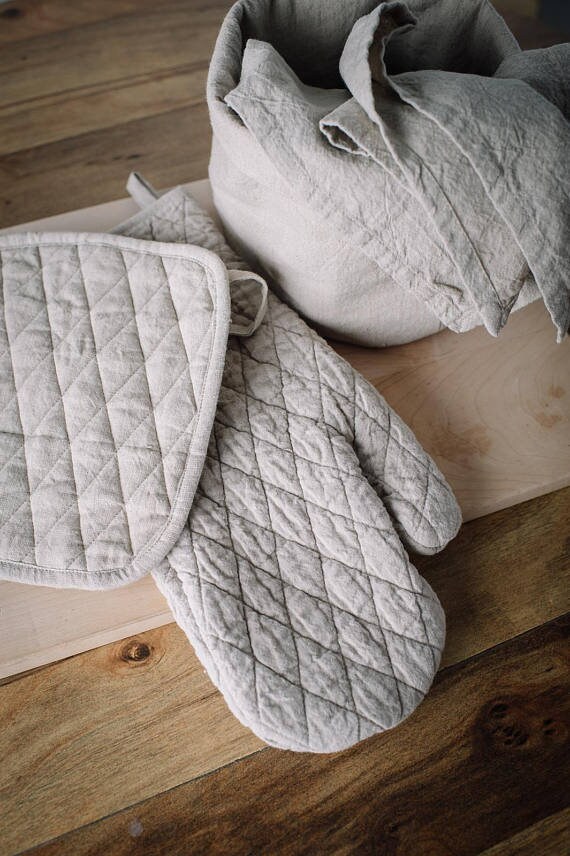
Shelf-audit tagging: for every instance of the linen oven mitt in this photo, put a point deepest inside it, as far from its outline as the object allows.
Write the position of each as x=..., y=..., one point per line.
x=291, y=578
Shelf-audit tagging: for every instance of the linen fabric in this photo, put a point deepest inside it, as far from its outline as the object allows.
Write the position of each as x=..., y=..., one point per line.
x=111, y=355
x=291, y=578
x=409, y=158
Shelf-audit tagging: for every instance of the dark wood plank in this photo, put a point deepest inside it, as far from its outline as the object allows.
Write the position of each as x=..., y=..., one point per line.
x=100, y=731
x=105, y=73
x=483, y=576
x=99, y=106
x=159, y=36
x=530, y=33
x=26, y=19
x=548, y=837
x=483, y=758
x=169, y=149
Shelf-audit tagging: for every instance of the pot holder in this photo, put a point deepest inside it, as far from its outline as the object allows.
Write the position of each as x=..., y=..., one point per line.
x=111, y=355
x=291, y=578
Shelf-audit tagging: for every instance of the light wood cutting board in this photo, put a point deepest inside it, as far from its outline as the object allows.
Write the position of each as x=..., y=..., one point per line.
x=494, y=413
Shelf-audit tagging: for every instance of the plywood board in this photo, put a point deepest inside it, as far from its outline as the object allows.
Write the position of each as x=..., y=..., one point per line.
x=494, y=413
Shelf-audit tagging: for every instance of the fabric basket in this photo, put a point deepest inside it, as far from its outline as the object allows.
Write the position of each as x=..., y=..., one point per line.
x=361, y=247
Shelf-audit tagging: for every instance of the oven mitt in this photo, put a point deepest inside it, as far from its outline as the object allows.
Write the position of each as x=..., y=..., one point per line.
x=111, y=355
x=292, y=579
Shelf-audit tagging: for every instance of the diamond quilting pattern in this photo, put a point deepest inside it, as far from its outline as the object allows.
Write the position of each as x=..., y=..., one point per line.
x=104, y=350
x=290, y=579
x=313, y=587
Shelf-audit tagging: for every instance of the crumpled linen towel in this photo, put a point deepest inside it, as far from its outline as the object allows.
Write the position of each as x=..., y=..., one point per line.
x=291, y=578
x=428, y=153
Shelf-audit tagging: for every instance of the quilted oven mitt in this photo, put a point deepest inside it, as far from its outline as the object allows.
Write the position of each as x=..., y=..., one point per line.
x=291, y=578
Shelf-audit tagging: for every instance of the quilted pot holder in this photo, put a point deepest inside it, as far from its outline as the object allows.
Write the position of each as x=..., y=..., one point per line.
x=291, y=578
x=111, y=356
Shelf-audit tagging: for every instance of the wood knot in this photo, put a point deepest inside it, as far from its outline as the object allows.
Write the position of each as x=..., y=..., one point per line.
x=517, y=724
x=502, y=726
x=135, y=651
x=12, y=12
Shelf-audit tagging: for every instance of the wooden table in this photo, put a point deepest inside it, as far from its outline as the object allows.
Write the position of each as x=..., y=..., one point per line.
x=128, y=748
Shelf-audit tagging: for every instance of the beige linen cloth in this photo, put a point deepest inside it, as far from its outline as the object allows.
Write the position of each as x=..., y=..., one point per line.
x=395, y=168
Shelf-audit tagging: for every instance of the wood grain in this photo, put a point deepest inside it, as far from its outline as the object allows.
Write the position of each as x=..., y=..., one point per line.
x=485, y=756
x=548, y=837
x=102, y=218
x=494, y=413
x=503, y=574
x=89, y=90
x=169, y=148
x=105, y=86
x=101, y=106
x=94, y=53
x=41, y=625
x=95, y=733
x=25, y=19
x=106, y=717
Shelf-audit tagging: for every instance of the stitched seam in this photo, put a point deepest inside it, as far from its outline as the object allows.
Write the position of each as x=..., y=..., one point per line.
x=310, y=638
x=242, y=599
x=64, y=339
x=87, y=364
x=213, y=295
x=309, y=549
x=181, y=338
x=19, y=412
x=362, y=555
x=359, y=733
x=335, y=392
x=293, y=684
x=64, y=415
x=340, y=434
x=117, y=449
x=302, y=496
x=307, y=727
x=147, y=382
x=78, y=434
x=108, y=419
x=317, y=552
x=407, y=563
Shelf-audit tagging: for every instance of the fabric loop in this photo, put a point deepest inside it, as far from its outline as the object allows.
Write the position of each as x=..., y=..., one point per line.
x=142, y=192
